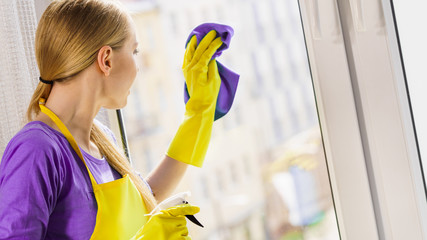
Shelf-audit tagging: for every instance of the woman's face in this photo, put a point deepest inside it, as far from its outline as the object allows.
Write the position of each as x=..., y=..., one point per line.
x=123, y=72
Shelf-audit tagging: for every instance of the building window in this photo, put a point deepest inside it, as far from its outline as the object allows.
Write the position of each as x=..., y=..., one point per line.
x=258, y=84
x=258, y=24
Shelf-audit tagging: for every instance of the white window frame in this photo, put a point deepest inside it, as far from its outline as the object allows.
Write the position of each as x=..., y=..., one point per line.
x=365, y=118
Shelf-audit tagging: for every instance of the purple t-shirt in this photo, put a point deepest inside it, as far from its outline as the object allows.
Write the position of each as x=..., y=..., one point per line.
x=45, y=190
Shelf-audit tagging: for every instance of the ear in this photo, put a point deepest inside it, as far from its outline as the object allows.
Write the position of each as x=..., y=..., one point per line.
x=104, y=59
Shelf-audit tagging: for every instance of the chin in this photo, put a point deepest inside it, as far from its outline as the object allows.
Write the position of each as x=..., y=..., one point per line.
x=116, y=105
x=121, y=105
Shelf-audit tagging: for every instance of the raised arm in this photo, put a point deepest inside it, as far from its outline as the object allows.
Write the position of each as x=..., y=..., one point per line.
x=191, y=141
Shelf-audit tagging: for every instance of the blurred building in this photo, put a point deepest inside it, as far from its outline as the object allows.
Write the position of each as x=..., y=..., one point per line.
x=254, y=143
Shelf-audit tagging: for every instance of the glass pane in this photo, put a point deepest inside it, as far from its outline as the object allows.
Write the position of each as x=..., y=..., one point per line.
x=265, y=174
x=412, y=39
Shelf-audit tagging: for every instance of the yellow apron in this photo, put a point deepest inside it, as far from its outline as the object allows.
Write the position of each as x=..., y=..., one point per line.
x=121, y=208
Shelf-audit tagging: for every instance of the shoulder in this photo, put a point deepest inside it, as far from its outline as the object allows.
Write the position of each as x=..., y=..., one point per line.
x=36, y=136
x=32, y=174
x=35, y=145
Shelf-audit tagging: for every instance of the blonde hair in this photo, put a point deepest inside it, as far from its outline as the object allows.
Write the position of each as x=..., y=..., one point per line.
x=68, y=38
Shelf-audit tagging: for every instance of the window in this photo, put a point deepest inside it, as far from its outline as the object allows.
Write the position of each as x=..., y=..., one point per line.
x=268, y=117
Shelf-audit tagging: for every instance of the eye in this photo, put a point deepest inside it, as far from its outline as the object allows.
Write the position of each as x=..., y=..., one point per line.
x=136, y=51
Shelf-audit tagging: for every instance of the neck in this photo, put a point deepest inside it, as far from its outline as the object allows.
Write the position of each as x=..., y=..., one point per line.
x=75, y=103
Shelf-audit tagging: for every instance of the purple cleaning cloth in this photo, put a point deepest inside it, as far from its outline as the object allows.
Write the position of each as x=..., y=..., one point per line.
x=229, y=79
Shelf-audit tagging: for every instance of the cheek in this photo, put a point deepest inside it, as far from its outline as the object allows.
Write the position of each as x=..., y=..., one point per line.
x=135, y=64
x=128, y=71
x=134, y=67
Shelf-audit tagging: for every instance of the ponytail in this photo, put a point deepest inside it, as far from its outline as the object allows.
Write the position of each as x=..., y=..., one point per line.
x=68, y=38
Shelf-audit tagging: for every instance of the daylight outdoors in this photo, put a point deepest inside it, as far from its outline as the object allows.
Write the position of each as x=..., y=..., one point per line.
x=265, y=174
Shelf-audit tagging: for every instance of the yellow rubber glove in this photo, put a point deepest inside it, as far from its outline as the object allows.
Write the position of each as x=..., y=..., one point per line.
x=203, y=82
x=169, y=224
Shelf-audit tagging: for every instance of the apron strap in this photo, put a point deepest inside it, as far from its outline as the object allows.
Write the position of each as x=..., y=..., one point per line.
x=67, y=135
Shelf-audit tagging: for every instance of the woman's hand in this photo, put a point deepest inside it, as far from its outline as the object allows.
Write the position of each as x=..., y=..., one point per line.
x=201, y=73
x=203, y=82
x=169, y=224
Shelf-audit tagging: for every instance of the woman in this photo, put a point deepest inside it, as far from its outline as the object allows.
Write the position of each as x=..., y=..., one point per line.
x=61, y=176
